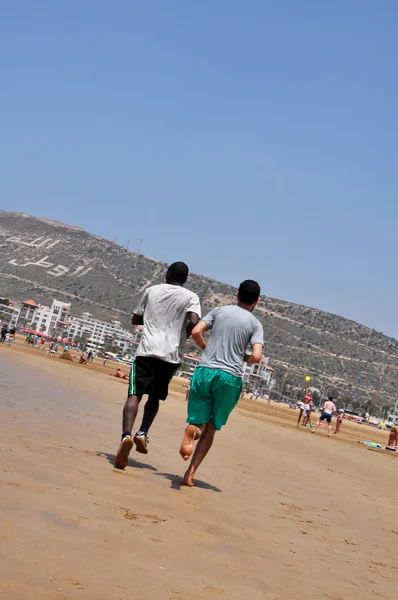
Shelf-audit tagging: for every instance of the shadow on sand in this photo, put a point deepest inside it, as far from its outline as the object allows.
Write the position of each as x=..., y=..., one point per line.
x=135, y=464
x=177, y=482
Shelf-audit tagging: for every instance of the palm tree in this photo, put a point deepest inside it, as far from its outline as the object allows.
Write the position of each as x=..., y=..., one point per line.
x=346, y=400
x=22, y=322
x=368, y=408
x=386, y=409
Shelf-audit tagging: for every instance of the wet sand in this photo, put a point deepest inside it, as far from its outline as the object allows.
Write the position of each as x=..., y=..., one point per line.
x=279, y=513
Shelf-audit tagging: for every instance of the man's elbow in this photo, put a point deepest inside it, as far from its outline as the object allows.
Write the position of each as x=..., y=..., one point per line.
x=256, y=359
x=196, y=334
x=257, y=354
x=197, y=330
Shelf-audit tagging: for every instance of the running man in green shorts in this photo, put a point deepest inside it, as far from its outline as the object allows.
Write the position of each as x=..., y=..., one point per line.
x=217, y=382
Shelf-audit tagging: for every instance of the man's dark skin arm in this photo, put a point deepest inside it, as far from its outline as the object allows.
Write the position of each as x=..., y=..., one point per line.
x=193, y=319
x=137, y=320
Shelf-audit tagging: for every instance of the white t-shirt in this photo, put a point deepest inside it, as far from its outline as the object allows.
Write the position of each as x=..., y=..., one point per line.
x=164, y=308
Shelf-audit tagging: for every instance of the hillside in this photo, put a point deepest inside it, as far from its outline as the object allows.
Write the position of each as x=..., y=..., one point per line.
x=43, y=259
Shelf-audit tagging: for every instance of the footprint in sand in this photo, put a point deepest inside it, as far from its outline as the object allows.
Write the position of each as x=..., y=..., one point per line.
x=131, y=516
x=291, y=506
x=79, y=519
x=214, y=590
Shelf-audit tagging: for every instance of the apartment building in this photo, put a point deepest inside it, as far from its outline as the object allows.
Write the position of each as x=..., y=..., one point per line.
x=259, y=376
x=98, y=334
x=9, y=314
x=54, y=319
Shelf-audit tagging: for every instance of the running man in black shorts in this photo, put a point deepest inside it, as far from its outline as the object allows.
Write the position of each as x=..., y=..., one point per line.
x=169, y=313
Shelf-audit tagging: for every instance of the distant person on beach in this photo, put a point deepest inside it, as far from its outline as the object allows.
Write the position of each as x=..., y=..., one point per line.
x=4, y=330
x=306, y=406
x=119, y=374
x=168, y=312
x=301, y=412
x=12, y=336
x=304, y=409
x=327, y=412
x=216, y=385
x=393, y=437
x=309, y=411
x=339, y=420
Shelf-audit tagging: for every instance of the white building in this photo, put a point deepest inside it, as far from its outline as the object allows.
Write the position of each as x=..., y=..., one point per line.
x=260, y=375
x=54, y=319
x=190, y=363
x=11, y=314
x=98, y=334
x=26, y=313
x=136, y=338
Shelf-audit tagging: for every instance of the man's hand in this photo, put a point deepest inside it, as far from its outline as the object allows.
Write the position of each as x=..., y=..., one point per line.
x=197, y=334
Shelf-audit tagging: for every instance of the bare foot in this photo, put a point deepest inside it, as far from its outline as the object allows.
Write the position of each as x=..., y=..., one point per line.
x=191, y=434
x=188, y=477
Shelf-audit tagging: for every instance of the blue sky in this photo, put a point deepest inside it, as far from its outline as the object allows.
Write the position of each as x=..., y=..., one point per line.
x=250, y=139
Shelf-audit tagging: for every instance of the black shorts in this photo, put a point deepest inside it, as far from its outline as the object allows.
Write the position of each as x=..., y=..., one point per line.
x=326, y=416
x=150, y=375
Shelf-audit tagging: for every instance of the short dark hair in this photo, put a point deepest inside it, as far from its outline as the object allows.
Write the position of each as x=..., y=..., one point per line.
x=249, y=291
x=178, y=272
x=331, y=398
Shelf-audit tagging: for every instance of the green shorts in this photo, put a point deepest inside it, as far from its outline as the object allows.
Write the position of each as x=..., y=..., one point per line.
x=212, y=397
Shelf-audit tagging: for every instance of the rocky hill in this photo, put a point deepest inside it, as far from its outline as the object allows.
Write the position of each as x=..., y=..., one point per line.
x=42, y=259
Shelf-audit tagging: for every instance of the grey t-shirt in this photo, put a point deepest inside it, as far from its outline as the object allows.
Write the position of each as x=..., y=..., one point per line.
x=233, y=329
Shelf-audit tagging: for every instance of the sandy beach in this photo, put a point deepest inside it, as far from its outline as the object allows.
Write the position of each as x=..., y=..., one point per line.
x=279, y=513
